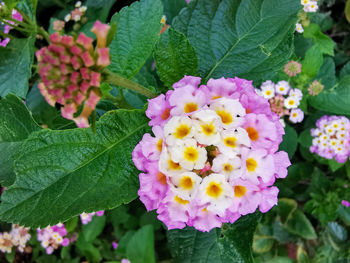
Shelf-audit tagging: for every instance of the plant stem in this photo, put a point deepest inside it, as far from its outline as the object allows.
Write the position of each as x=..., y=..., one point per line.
x=112, y=78
x=44, y=33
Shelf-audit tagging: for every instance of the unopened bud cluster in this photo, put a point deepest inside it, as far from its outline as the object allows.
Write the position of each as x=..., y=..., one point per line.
x=70, y=70
x=87, y=217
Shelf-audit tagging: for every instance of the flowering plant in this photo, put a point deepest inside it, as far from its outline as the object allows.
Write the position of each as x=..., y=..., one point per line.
x=174, y=130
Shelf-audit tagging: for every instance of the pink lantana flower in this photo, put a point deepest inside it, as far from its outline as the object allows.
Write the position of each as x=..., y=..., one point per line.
x=213, y=157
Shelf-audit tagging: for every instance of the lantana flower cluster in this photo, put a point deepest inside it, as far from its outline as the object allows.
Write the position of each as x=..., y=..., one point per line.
x=332, y=138
x=213, y=157
x=52, y=237
x=5, y=27
x=17, y=237
x=87, y=217
x=283, y=99
x=309, y=6
x=70, y=71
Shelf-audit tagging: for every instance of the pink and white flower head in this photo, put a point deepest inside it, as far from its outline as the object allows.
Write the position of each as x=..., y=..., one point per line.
x=20, y=236
x=213, y=157
x=70, y=70
x=52, y=238
x=332, y=138
x=87, y=217
x=284, y=100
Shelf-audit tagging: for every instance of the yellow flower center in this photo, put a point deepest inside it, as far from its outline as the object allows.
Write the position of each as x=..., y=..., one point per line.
x=252, y=133
x=295, y=115
x=160, y=145
x=230, y=142
x=190, y=107
x=182, y=131
x=191, y=154
x=165, y=114
x=291, y=102
x=208, y=129
x=161, y=178
x=228, y=168
x=186, y=183
x=180, y=200
x=268, y=92
x=216, y=97
x=225, y=116
x=240, y=191
x=251, y=164
x=173, y=165
x=214, y=190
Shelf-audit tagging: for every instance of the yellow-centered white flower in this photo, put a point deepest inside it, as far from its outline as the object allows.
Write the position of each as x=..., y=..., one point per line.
x=177, y=129
x=217, y=192
x=232, y=140
x=230, y=111
x=207, y=127
x=291, y=103
x=230, y=167
x=168, y=166
x=185, y=185
x=189, y=155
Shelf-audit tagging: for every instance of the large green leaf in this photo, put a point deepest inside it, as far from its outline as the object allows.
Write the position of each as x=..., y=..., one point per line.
x=15, y=67
x=233, y=244
x=61, y=174
x=172, y=8
x=335, y=100
x=289, y=143
x=140, y=247
x=312, y=62
x=138, y=28
x=175, y=57
x=17, y=124
x=250, y=38
x=323, y=42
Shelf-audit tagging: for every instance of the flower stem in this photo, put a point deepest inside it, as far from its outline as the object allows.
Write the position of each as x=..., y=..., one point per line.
x=112, y=78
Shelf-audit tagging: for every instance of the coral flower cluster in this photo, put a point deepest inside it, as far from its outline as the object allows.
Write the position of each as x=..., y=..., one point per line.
x=52, y=237
x=213, y=156
x=70, y=71
x=5, y=27
x=332, y=138
x=17, y=237
x=87, y=217
x=283, y=99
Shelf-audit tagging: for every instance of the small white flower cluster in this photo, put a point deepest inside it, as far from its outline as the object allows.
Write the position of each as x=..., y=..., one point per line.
x=310, y=6
x=17, y=237
x=52, y=237
x=283, y=99
x=77, y=13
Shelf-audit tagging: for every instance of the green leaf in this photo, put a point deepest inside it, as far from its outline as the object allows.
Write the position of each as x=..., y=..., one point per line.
x=326, y=74
x=15, y=68
x=172, y=8
x=302, y=256
x=289, y=141
x=344, y=214
x=88, y=250
x=337, y=232
x=94, y=228
x=262, y=244
x=17, y=124
x=71, y=224
x=336, y=100
x=334, y=165
x=345, y=70
x=285, y=207
x=312, y=62
x=138, y=27
x=298, y=224
x=140, y=248
x=305, y=138
x=347, y=10
x=324, y=43
x=61, y=174
x=175, y=57
x=189, y=245
x=231, y=37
